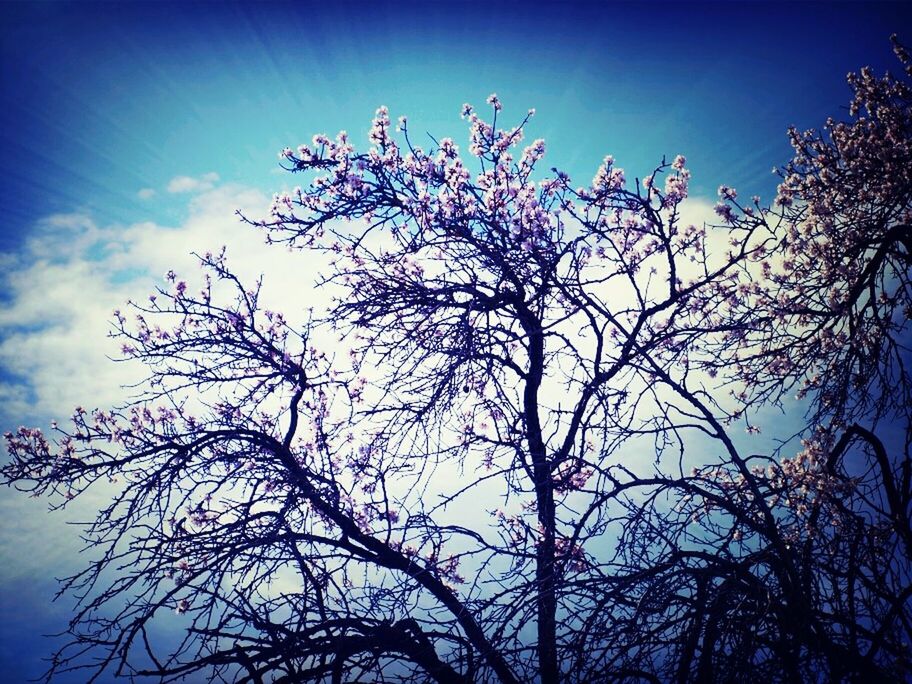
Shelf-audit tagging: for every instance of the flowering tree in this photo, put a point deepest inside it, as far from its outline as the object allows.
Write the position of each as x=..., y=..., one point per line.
x=805, y=565
x=493, y=477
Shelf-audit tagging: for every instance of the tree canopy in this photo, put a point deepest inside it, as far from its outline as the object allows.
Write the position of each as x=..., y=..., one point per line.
x=512, y=450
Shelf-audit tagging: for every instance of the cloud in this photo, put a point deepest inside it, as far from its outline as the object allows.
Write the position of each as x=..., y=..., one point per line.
x=63, y=286
x=190, y=184
x=146, y=193
x=60, y=291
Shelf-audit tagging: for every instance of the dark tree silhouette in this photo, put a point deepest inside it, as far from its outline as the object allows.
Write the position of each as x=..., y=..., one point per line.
x=520, y=462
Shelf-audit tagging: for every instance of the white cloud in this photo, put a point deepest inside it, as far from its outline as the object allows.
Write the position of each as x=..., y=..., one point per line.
x=61, y=289
x=203, y=183
x=63, y=286
x=146, y=193
x=54, y=354
x=72, y=273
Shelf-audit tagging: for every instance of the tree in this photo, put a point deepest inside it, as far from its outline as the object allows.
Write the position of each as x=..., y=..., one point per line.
x=526, y=465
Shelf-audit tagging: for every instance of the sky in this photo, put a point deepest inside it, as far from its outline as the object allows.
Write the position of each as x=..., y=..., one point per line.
x=131, y=132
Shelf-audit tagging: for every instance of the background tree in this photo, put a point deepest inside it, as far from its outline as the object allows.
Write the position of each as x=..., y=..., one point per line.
x=821, y=311
x=520, y=463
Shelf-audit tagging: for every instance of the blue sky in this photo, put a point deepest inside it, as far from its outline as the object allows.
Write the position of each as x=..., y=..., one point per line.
x=103, y=100
x=130, y=133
